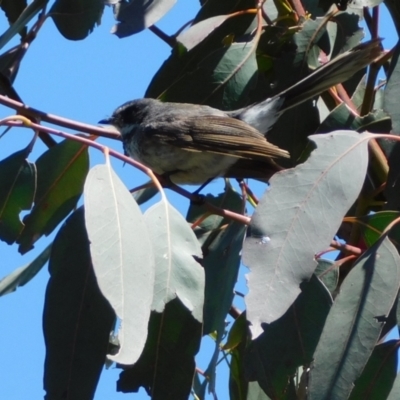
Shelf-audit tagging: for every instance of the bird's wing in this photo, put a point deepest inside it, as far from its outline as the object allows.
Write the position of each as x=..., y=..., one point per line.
x=216, y=134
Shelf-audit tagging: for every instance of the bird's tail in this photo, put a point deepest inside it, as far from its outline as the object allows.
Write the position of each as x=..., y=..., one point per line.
x=336, y=71
x=263, y=115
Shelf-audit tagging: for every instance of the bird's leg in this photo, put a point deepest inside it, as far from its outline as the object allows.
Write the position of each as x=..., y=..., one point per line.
x=199, y=198
x=197, y=191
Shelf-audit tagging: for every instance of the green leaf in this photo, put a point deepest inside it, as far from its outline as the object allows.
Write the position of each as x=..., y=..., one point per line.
x=236, y=344
x=76, y=19
x=365, y=3
x=374, y=224
x=391, y=106
x=342, y=118
x=176, y=250
x=392, y=320
x=23, y=19
x=166, y=367
x=221, y=264
x=23, y=275
x=379, y=374
x=77, y=320
x=255, y=392
x=13, y=9
x=61, y=173
x=313, y=7
x=198, y=32
x=312, y=38
x=137, y=15
x=355, y=322
x=211, y=223
x=289, y=342
x=286, y=227
x=394, y=8
x=291, y=131
x=237, y=334
x=222, y=79
x=184, y=66
x=9, y=66
x=122, y=257
x=327, y=273
x=395, y=392
x=143, y=195
x=17, y=190
x=221, y=242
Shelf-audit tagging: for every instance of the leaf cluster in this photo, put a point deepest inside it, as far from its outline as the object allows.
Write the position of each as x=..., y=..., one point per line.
x=143, y=288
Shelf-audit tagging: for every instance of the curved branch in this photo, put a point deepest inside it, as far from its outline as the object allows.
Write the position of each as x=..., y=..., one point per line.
x=57, y=120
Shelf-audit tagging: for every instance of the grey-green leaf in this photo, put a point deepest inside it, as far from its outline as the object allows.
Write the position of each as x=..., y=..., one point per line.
x=198, y=32
x=122, y=257
x=379, y=374
x=23, y=275
x=327, y=273
x=77, y=319
x=176, y=249
x=395, y=392
x=365, y=3
x=137, y=15
x=22, y=20
x=17, y=190
x=286, y=228
x=355, y=321
x=391, y=94
x=76, y=19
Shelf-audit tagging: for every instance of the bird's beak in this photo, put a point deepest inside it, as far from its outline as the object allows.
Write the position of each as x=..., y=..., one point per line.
x=106, y=121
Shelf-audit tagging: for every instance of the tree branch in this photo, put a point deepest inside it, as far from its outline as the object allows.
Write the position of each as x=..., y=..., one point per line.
x=57, y=120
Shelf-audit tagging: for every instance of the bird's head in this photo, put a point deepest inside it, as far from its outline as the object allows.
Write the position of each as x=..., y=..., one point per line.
x=128, y=116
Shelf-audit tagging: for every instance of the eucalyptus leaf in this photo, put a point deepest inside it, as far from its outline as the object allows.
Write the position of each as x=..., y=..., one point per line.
x=13, y=9
x=17, y=191
x=23, y=275
x=392, y=91
x=286, y=227
x=137, y=15
x=76, y=19
x=379, y=374
x=255, y=392
x=327, y=273
x=176, y=249
x=391, y=106
x=289, y=342
x=355, y=321
x=167, y=365
x=61, y=173
x=395, y=392
x=222, y=79
x=365, y=3
x=23, y=19
x=122, y=257
x=198, y=32
x=394, y=8
x=77, y=319
x=221, y=265
x=9, y=66
x=143, y=195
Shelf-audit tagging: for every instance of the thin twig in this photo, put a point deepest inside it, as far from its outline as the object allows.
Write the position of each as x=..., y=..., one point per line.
x=298, y=7
x=57, y=120
x=346, y=248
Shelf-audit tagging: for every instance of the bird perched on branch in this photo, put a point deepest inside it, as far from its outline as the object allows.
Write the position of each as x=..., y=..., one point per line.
x=192, y=144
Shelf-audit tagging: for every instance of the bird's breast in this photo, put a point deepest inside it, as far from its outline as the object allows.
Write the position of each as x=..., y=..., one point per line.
x=181, y=165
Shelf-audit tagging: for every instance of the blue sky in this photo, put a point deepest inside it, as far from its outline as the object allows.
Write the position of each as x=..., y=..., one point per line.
x=85, y=81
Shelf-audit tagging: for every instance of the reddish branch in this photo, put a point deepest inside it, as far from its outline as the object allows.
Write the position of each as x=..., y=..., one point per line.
x=27, y=111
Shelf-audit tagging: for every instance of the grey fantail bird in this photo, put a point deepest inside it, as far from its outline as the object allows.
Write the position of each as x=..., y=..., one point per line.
x=192, y=144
